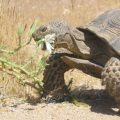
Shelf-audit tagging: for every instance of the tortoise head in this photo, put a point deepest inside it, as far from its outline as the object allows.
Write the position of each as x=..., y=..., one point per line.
x=65, y=36
x=53, y=27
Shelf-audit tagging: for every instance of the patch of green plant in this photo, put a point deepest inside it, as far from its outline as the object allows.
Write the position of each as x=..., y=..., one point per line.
x=79, y=103
x=21, y=72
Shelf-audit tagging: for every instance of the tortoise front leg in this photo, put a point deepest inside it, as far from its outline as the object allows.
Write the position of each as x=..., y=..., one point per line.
x=111, y=78
x=54, y=89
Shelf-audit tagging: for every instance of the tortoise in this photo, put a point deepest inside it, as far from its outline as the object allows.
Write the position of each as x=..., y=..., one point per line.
x=93, y=48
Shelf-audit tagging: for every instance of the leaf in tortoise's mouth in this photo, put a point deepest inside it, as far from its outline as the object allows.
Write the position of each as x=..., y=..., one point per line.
x=47, y=42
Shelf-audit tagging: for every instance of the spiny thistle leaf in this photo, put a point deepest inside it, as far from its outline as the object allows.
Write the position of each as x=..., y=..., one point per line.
x=33, y=28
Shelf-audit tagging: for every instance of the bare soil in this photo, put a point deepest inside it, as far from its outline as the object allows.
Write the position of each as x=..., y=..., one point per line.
x=100, y=110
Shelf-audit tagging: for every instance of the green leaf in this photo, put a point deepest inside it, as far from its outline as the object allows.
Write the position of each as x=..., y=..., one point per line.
x=33, y=28
x=20, y=31
x=42, y=62
x=41, y=41
x=79, y=103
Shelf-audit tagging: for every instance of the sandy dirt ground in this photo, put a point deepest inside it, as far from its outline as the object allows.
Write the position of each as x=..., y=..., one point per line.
x=100, y=110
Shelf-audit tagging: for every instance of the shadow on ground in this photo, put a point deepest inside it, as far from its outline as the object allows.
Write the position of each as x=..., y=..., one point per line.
x=99, y=101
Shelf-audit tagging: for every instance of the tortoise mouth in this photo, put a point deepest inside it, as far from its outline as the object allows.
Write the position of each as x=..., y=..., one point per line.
x=47, y=41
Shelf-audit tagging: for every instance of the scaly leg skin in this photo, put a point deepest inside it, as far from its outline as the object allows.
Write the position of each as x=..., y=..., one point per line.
x=111, y=78
x=54, y=89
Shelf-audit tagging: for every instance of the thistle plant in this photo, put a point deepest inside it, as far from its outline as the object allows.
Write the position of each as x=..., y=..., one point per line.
x=21, y=72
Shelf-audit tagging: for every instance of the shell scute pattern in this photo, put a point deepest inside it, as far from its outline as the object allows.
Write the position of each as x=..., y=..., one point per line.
x=107, y=25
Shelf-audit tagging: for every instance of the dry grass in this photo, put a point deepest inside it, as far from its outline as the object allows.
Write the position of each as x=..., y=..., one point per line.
x=14, y=13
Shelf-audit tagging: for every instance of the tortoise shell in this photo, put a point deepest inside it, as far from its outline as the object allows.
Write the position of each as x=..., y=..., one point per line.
x=107, y=27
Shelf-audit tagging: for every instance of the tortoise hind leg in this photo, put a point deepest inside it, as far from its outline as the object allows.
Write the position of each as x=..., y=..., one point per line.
x=111, y=78
x=54, y=89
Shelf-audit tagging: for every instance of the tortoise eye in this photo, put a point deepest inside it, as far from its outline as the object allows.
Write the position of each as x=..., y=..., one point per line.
x=44, y=29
